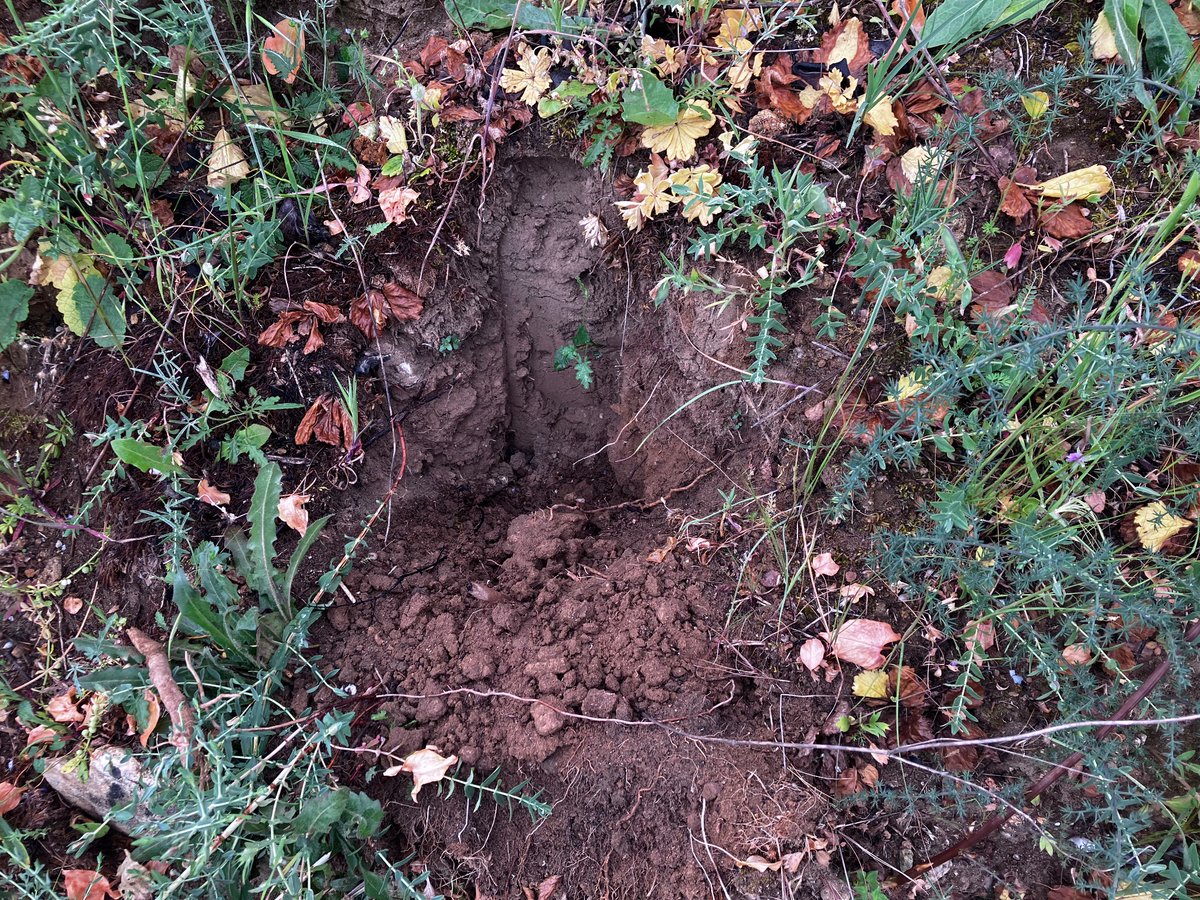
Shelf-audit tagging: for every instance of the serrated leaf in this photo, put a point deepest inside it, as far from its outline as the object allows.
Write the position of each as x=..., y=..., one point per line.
x=497, y=15
x=27, y=210
x=651, y=103
x=115, y=250
x=144, y=456
x=260, y=546
x=14, y=309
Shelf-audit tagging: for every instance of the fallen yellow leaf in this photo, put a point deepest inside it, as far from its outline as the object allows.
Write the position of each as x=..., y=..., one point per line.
x=678, y=140
x=1036, y=104
x=881, y=117
x=873, y=685
x=1156, y=525
x=1104, y=42
x=227, y=165
x=1094, y=181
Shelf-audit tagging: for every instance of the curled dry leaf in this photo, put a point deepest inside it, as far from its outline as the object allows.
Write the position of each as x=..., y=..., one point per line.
x=370, y=312
x=812, y=653
x=1065, y=222
x=861, y=641
x=153, y=713
x=1076, y=655
x=72, y=605
x=63, y=708
x=905, y=685
x=40, y=734
x=134, y=881
x=283, y=51
x=10, y=796
x=979, y=637
x=852, y=593
x=882, y=117
x=357, y=186
x=211, y=495
x=394, y=202
x=327, y=421
x=227, y=165
x=293, y=513
x=84, y=884
x=823, y=564
x=958, y=758
x=1093, y=181
x=759, y=864
x=426, y=767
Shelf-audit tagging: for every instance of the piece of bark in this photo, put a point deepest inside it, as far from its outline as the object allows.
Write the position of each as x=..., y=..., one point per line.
x=114, y=780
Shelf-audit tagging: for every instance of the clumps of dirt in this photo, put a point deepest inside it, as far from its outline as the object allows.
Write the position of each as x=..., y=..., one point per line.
x=562, y=609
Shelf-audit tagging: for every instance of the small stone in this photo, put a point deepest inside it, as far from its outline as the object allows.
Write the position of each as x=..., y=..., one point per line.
x=546, y=719
x=430, y=709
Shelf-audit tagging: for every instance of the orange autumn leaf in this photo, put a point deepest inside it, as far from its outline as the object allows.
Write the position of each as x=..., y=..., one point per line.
x=63, y=709
x=861, y=641
x=153, y=712
x=84, y=884
x=40, y=734
x=212, y=495
x=10, y=796
x=293, y=513
x=283, y=51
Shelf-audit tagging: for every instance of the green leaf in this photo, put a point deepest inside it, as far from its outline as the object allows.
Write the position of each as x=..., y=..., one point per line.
x=956, y=21
x=652, y=103
x=246, y=441
x=1169, y=50
x=91, y=309
x=234, y=365
x=565, y=356
x=394, y=166
x=27, y=210
x=145, y=457
x=305, y=544
x=116, y=250
x=264, y=505
x=14, y=309
x=584, y=373
x=1124, y=17
x=322, y=812
x=497, y=15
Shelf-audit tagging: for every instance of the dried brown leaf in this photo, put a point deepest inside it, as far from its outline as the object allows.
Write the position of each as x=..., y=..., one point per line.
x=861, y=641
x=84, y=884
x=63, y=708
x=10, y=796
x=1066, y=222
x=293, y=513
x=211, y=495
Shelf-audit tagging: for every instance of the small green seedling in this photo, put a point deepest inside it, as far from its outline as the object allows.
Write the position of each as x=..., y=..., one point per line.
x=579, y=353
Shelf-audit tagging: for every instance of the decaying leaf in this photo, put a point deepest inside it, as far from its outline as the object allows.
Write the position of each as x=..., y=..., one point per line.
x=84, y=884
x=1156, y=525
x=1077, y=654
x=394, y=203
x=855, y=591
x=872, y=685
x=979, y=637
x=823, y=564
x=861, y=641
x=1065, y=222
x=906, y=686
x=283, y=51
x=392, y=133
x=328, y=422
x=64, y=709
x=759, y=864
x=40, y=734
x=812, y=653
x=426, y=767
x=658, y=554
x=958, y=758
x=153, y=713
x=1104, y=41
x=134, y=881
x=1093, y=181
x=227, y=165
x=921, y=165
x=179, y=710
x=531, y=78
x=881, y=117
x=370, y=312
x=300, y=320
x=10, y=796
x=211, y=495
x=677, y=141
x=72, y=605
x=293, y=513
